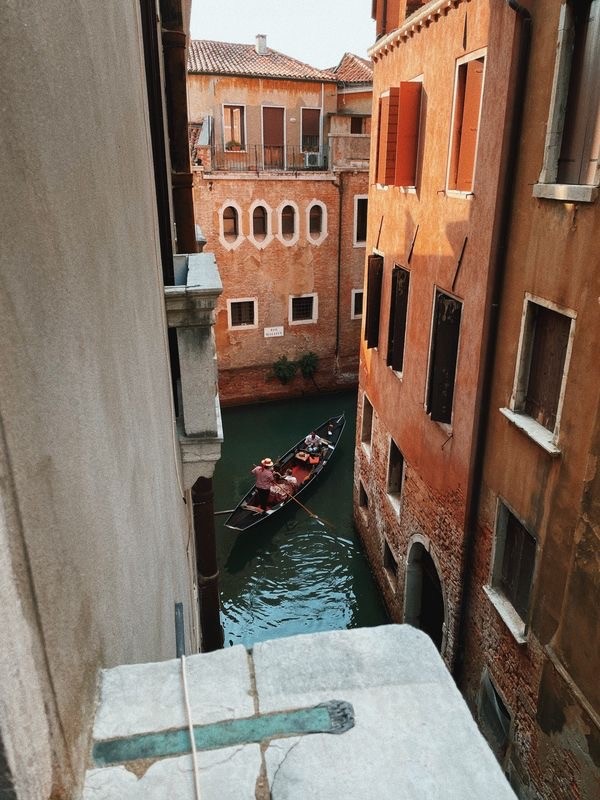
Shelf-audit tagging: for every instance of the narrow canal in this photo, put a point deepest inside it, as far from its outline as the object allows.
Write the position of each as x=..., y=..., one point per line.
x=290, y=574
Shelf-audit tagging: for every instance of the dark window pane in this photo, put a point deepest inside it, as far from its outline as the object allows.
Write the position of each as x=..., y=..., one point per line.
x=311, y=118
x=302, y=308
x=242, y=313
x=358, y=304
x=517, y=565
x=375, y=277
x=259, y=222
x=230, y=223
x=442, y=370
x=356, y=125
x=315, y=220
x=398, y=312
x=288, y=222
x=361, y=219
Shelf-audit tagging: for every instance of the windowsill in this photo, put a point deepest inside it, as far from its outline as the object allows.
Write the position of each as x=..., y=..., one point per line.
x=568, y=193
x=396, y=372
x=459, y=195
x=242, y=328
x=392, y=579
x=366, y=449
x=359, y=244
x=395, y=502
x=536, y=432
x=507, y=613
x=303, y=322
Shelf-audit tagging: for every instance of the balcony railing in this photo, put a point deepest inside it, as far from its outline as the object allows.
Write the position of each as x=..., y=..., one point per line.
x=268, y=158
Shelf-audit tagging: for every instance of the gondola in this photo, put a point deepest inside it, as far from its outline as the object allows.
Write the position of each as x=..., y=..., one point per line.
x=306, y=468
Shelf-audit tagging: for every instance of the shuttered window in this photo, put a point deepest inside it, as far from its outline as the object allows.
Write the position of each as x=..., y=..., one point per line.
x=444, y=353
x=387, y=136
x=311, y=121
x=514, y=574
x=374, y=280
x=407, y=137
x=398, y=311
x=580, y=146
x=467, y=105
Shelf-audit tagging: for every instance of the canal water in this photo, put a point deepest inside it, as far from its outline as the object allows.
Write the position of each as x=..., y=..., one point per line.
x=291, y=574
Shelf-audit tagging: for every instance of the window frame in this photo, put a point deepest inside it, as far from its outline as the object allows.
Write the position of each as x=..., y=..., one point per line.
x=315, y=309
x=243, y=326
x=394, y=495
x=517, y=624
x=548, y=185
x=268, y=237
x=356, y=242
x=430, y=361
x=366, y=424
x=372, y=313
x=316, y=240
x=311, y=149
x=227, y=242
x=353, y=294
x=243, y=139
x=395, y=314
x=452, y=145
x=288, y=242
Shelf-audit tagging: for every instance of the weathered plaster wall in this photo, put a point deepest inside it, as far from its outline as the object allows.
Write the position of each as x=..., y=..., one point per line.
x=97, y=526
x=550, y=683
x=438, y=456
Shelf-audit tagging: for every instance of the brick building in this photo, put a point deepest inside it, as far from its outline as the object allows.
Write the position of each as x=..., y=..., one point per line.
x=281, y=153
x=475, y=478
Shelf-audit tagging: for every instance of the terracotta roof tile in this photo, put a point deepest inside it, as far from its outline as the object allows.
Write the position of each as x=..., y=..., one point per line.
x=225, y=58
x=353, y=69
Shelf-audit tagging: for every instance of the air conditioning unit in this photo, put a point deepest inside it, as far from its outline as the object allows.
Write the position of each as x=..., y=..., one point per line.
x=313, y=160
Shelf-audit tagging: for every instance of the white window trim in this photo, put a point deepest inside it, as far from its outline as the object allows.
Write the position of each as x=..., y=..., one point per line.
x=545, y=438
x=237, y=242
x=311, y=108
x=355, y=242
x=546, y=187
x=244, y=149
x=459, y=62
x=395, y=498
x=353, y=294
x=260, y=243
x=294, y=239
x=323, y=235
x=517, y=626
x=232, y=327
x=315, y=309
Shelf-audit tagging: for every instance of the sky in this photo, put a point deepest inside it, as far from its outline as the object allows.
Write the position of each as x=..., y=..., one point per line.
x=317, y=32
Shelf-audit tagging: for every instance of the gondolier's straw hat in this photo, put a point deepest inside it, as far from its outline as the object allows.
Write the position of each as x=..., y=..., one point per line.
x=266, y=462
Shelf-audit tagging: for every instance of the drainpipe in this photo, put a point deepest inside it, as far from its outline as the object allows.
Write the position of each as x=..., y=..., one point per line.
x=339, y=267
x=491, y=330
x=206, y=565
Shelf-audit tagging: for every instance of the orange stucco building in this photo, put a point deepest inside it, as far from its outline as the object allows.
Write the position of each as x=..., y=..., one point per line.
x=476, y=490
x=281, y=155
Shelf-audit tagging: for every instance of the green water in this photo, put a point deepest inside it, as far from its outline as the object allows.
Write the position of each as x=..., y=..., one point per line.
x=290, y=574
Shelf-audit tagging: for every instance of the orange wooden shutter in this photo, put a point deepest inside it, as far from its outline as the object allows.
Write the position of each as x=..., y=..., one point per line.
x=384, y=110
x=407, y=137
x=470, y=123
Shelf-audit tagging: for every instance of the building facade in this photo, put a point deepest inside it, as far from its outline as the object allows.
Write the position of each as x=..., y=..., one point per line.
x=475, y=479
x=280, y=153
x=98, y=546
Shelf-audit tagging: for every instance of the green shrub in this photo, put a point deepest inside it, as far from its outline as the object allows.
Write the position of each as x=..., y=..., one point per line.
x=284, y=369
x=308, y=364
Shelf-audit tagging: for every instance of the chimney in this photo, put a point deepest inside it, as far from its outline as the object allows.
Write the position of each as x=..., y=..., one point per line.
x=261, y=44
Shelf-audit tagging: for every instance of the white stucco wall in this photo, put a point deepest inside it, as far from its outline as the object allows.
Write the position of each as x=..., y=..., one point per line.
x=98, y=529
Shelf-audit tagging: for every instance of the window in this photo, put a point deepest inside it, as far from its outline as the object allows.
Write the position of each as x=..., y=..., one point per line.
x=542, y=363
x=234, y=134
x=443, y=357
x=242, y=313
x=374, y=279
x=398, y=135
x=360, y=220
x=514, y=560
x=494, y=718
x=363, y=497
x=390, y=564
x=357, y=304
x=468, y=92
x=288, y=222
x=303, y=309
x=367, y=422
x=259, y=222
x=311, y=123
x=398, y=311
x=357, y=125
x=573, y=132
x=231, y=229
x=315, y=220
x=395, y=474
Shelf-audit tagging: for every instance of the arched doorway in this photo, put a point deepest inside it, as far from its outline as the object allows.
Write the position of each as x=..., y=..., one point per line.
x=423, y=598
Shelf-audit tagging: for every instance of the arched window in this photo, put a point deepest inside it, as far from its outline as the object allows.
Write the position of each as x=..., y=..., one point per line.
x=315, y=221
x=231, y=228
x=288, y=222
x=259, y=223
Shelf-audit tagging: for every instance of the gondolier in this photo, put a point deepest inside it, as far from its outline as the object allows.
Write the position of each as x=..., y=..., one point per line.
x=264, y=478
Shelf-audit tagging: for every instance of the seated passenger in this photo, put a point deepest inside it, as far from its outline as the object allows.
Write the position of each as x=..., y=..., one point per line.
x=313, y=442
x=290, y=483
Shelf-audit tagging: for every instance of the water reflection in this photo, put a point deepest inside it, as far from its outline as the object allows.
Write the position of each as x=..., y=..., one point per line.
x=291, y=574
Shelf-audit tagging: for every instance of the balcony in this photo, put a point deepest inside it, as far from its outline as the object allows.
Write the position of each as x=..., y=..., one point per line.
x=262, y=158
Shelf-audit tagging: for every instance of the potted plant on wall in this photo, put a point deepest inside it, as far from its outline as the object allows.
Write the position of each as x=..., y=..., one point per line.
x=233, y=146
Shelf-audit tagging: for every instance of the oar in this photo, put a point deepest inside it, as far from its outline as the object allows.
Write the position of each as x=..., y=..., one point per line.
x=227, y=511
x=310, y=513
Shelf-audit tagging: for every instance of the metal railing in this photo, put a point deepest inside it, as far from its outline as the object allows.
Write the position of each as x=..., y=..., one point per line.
x=269, y=158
